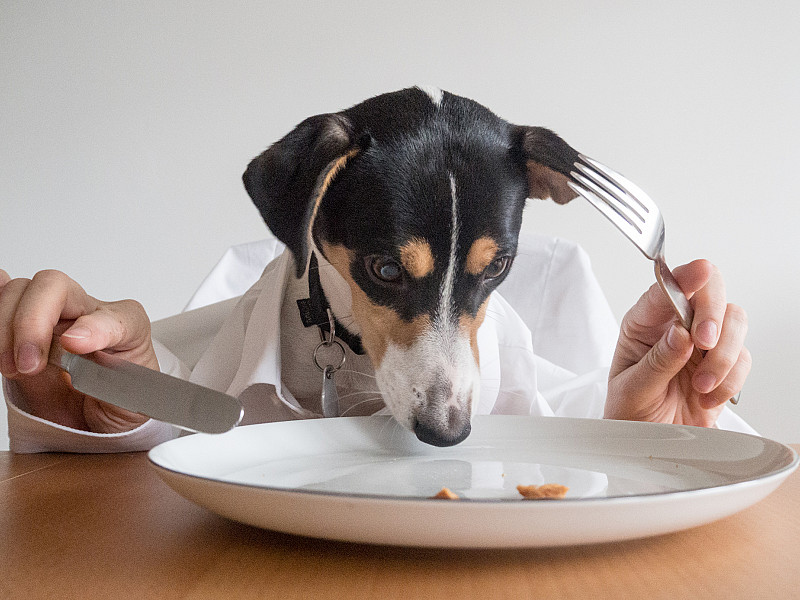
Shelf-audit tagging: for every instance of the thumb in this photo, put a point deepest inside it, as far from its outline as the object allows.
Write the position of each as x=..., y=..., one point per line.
x=663, y=361
x=121, y=327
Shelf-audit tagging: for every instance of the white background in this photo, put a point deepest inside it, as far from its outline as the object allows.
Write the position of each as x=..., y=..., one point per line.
x=125, y=127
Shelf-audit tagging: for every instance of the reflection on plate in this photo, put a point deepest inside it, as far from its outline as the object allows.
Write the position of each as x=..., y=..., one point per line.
x=365, y=479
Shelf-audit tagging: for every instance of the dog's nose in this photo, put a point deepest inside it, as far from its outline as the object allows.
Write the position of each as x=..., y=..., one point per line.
x=441, y=422
x=436, y=437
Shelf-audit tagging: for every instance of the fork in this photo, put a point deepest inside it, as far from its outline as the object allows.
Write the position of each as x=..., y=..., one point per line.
x=635, y=214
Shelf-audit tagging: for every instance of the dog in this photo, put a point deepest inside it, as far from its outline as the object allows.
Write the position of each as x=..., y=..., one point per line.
x=415, y=199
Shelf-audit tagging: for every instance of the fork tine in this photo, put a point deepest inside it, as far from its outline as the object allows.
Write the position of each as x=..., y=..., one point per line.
x=611, y=206
x=623, y=183
x=611, y=192
x=620, y=221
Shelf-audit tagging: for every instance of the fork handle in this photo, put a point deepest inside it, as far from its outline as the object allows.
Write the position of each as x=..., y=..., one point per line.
x=673, y=291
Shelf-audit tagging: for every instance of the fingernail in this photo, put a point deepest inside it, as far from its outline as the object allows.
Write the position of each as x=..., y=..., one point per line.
x=704, y=382
x=674, y=338
x=707, y=333
x=79, y=332
x=28, y=357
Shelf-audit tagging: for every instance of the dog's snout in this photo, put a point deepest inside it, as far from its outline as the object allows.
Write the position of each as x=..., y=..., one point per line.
x=442, y=419
x=432, y=386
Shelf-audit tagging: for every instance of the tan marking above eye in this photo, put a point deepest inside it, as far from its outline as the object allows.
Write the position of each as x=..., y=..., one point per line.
x=380, y=325
x=481, y=254
x=417, y=258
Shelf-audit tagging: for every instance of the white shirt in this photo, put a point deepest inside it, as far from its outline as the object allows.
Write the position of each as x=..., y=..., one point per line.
x=545, y=348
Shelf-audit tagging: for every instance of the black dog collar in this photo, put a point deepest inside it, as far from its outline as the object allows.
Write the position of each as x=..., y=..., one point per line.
x=314, y=310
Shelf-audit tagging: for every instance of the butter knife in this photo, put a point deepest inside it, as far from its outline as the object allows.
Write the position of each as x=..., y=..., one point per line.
x=152, y=393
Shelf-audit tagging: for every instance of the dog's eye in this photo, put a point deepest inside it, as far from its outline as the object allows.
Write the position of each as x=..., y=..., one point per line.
x=497, y=267
x=385, y=269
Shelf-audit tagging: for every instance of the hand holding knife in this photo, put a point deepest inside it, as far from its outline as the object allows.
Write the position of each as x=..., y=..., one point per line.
x=151, y=393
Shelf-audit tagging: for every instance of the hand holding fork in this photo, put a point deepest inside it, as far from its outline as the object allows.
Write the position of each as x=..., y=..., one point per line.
x=700, y=377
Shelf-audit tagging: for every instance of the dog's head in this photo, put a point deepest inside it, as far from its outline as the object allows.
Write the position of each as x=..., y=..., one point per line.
x=416, y=198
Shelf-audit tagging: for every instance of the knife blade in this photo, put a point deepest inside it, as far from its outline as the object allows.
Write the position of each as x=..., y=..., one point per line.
x=151, y=393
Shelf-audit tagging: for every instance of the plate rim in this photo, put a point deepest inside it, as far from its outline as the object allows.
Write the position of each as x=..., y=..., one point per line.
x=762, y=479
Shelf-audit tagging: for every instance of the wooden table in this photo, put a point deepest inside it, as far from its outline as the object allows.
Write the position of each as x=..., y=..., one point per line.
x=83, y=526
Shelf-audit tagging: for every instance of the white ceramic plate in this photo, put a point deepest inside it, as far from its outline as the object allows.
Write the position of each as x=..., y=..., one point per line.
x=365, y=479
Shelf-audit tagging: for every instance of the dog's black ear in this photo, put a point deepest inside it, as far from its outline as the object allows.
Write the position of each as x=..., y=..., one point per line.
x=548, y=162
x=287, y=181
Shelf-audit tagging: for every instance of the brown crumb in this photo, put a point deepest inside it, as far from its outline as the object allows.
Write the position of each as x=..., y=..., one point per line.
x=548, y=491
x=445, y=494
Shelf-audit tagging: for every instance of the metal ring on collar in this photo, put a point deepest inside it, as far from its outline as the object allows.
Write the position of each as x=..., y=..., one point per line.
x=328, y=344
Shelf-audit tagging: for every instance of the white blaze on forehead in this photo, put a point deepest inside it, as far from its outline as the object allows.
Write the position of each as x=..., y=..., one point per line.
x=446, y=313
x=434, y=93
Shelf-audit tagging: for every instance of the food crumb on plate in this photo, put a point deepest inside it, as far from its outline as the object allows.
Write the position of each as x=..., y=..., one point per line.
x=548, y=491
x=445, y=494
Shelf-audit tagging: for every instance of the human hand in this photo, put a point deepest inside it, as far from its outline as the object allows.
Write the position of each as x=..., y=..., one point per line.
x=50, y=309
x=659, y=373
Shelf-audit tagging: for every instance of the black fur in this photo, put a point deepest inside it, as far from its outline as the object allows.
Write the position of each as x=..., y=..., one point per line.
x=281, y=181
x=398, y=187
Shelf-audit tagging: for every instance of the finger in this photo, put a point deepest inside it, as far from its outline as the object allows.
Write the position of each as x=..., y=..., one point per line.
x=10, y=295
x=653, y=373
x=694, y=275
x=732, y=384
x=654, y=307
x=4, y=278
x=703, y=283
x=719, y=361
x=49, y=297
